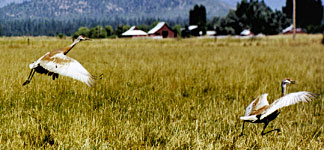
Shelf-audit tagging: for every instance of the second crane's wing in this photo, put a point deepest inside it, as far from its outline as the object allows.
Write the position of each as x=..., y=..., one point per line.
x=258, y=103
x=289, y=99
x=67, y=66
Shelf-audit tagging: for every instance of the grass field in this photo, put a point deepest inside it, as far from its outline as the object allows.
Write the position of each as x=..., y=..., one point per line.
x=161, y=94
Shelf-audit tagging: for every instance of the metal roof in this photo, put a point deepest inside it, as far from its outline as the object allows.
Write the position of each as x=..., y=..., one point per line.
x=192, y=27
x=157, y=27
x=132, y=32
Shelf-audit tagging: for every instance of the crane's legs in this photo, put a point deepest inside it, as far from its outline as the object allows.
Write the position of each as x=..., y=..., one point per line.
x=31, y=74
x=265, y=125
x=242, y=128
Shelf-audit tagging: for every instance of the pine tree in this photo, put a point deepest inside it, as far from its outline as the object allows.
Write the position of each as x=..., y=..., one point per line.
x=308, y=12
x=197, y=16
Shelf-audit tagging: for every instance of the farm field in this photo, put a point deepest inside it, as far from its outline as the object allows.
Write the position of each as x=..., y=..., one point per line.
x=161, y=94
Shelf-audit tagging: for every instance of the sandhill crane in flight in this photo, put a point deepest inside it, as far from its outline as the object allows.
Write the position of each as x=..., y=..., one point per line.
x=56, y=62
x=259, y=111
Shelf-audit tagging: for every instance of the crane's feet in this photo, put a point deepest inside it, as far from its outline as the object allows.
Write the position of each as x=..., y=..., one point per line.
x=278, y=130
x=264, y=133
x=26, y=82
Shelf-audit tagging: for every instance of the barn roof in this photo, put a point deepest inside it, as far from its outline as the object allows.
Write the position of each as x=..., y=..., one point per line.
x=192, y=27
x=210, y=33
x=133, y=32
x=246, y=32
x=156, y=28
x=290, y=29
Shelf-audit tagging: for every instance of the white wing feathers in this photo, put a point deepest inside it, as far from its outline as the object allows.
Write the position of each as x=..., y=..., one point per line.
x=35, y=64
x=287, y=100
x=258, y=103
x=251, y=118
x=67, y=66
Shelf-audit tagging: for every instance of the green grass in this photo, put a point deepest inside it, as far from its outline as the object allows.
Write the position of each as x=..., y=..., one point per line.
x=161, y=94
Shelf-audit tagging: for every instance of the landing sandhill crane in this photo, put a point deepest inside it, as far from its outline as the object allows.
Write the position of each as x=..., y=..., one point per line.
x=259, y=111
x=56, y=62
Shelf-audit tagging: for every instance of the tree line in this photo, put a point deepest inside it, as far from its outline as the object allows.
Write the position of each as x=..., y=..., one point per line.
x=259, y=18
x=53, y=27
x=110, y=32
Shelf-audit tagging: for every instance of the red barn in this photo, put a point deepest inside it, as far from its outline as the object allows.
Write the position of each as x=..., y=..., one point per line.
x=162, y=30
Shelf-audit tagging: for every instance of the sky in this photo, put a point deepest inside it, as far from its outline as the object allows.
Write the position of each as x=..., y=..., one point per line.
x=275, y=4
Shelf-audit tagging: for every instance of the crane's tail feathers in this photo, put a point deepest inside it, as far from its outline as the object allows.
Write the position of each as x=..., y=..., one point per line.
x=249, y=118
x=314, y=95
x=92, y=80
x=54, y=76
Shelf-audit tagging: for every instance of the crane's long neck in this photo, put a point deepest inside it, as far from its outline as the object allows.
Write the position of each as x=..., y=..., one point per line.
x=71, y=46
x=283, y=89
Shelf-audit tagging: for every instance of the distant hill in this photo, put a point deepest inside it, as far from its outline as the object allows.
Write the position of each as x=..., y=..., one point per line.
x=170, y=9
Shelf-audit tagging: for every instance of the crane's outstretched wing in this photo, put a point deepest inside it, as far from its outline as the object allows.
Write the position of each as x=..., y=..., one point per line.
x=289, y=99
x=258, y=103
x=67, y=66
x=35, y=63
x=249, y=118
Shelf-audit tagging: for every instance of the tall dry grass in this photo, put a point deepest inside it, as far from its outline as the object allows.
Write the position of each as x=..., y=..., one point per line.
x=161, y=94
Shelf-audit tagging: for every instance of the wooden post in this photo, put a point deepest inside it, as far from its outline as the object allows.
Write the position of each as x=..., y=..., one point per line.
x=323, y=38
x=294, y=19
x=215, y=35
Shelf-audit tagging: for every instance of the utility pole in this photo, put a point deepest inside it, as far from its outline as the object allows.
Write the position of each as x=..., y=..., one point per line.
x=294, y=19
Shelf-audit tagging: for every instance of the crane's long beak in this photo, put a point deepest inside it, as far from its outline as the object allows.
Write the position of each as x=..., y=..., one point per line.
x=293, y=82
x=85, y=38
